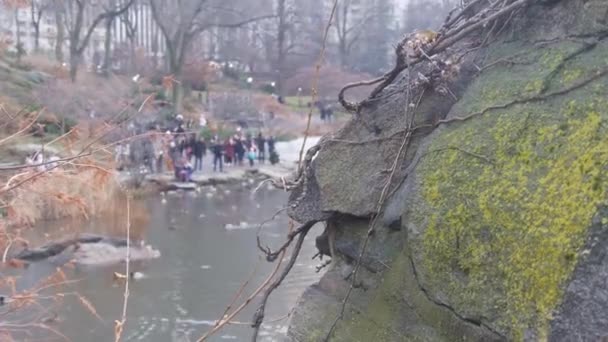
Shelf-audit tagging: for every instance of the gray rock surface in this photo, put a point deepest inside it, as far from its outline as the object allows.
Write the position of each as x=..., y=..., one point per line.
x=89, y=249
x=481, y=240
x=583, y=314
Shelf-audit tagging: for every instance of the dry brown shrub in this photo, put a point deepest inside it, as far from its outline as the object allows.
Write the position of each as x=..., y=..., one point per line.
x=43, y=63
x=90, y=96
x=330, y=81
x=84, y=192
x=269, y=104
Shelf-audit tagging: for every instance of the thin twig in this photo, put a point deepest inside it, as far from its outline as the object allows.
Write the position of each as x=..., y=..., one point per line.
x=316, y=81
x=82, y=153
x=18, y=133
x=119, y=325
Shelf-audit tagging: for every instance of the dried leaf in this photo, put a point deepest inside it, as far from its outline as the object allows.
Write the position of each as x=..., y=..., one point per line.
x=89, y=306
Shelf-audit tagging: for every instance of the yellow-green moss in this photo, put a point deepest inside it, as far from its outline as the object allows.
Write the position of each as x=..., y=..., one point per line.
x=505, y=235
x=569, y=76
x=379, y=319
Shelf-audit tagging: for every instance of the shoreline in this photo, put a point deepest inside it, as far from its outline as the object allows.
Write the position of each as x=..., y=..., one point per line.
x=162, y=182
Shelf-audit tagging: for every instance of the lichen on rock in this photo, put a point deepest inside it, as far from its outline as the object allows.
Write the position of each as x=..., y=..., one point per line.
x=503, y=236
x=502, y=227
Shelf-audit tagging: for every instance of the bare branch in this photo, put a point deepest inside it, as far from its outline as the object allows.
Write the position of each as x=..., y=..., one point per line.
x=107, y=14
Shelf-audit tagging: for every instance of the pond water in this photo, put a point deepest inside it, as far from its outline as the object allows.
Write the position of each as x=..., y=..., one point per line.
x=208, y=250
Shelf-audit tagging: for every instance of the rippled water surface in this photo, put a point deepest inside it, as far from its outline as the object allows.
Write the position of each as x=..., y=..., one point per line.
x=208, y=246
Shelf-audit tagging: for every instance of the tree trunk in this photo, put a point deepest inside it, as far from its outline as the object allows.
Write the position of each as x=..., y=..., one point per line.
x=281, y=35
x=107, y=59
x=178, y=89
x=74, y=63
x=19, y=45
x=342, y=28
x=60, y=36
x=132, y=56
x=343, y=54
x=36, y=37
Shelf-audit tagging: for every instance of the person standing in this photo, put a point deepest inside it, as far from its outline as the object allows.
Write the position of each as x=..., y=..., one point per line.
x=190, y=146
x=260, y=142
x=270, y=142
x=239, y=148
x=251, y=155
x=217, y=149
x=229, y=151
x=200, y=150
x=329, y=112
x=158, y=146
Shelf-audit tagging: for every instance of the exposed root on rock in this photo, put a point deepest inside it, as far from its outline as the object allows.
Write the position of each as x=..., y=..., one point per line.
x=272, y=256
x=258, y=317
x=412, y=50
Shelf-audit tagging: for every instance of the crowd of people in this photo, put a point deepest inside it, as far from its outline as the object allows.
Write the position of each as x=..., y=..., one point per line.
x=183, y=152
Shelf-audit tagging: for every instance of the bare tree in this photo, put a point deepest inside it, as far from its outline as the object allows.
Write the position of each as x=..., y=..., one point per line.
x=181, y=22
x=285, y=16
x=60, y=26
x=15, y=6
x=76, y=24
x=37, y=9
x=130, y=31
x=350, y=22
x=18, y=43
x=107, y=45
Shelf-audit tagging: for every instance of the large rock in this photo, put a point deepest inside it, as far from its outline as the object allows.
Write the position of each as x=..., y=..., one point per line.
x=502, y=235
x=352, y=166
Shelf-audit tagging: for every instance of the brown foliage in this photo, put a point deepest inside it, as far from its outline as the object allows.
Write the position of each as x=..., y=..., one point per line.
x=198, y=73
x=330, y=81
x=75, y=101
x=15, y=3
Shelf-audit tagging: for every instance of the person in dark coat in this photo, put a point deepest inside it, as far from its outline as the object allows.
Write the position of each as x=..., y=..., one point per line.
x=260, y=142
x=270, y=143
x=329, y=112
x=239, y=148
x=218, y=149
x=189, y=149
x=200, y=150
x=273, y=156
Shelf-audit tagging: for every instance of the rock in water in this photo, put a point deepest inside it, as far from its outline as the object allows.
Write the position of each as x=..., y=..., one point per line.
x=137, y=275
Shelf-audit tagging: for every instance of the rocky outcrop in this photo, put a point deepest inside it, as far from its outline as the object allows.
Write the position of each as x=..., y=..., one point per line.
x=494, y=227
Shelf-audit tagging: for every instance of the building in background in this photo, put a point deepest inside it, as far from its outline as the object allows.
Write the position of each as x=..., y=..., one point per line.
x=136, y=26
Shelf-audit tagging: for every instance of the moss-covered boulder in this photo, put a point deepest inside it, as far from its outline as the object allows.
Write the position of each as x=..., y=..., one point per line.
x=504, y=202
x=504, y=232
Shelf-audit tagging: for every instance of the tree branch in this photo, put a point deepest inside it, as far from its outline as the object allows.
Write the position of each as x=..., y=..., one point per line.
x=107, y=14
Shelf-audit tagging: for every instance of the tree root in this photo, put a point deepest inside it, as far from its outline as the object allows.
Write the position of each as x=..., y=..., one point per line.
x=272, y=256
x=452, y=31
x=536, y=98
x=587, y=46
x=258, y=317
